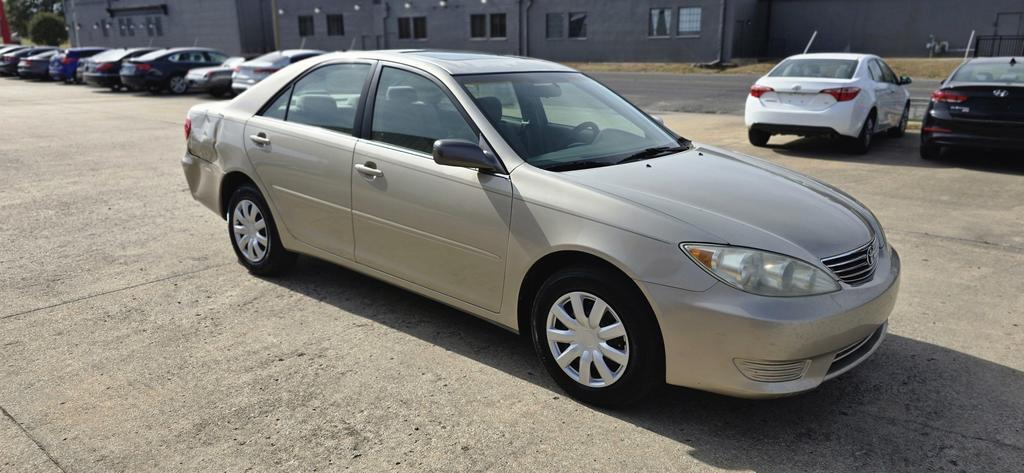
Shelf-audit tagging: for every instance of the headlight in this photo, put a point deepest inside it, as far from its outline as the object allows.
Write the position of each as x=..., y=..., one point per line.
x=760, y=272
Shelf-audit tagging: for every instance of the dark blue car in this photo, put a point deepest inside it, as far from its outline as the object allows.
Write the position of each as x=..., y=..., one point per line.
x=65, y=65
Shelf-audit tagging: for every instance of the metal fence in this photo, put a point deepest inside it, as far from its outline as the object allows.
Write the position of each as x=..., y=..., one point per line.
x=1002, y=45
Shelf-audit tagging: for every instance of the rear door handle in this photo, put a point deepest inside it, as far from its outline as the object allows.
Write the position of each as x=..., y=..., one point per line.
x=260, y=139
x=369, y=170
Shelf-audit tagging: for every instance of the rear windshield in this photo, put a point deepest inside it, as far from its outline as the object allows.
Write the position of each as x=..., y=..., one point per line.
x=111, y=55
x=153, y=55
x=269, y=57
x=815, y=68
x=990, y=72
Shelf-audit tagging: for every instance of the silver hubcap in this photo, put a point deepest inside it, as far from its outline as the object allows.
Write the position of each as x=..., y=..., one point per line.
x=587, y=339
x=250, y=231
x=178, y=85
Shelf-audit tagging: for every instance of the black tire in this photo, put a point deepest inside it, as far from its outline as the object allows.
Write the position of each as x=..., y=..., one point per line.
x=644, y=367
x=930, y=151
x=900, y=129
x=177, y=85
x=862, y=143
x=276, y=258
x=758, y=138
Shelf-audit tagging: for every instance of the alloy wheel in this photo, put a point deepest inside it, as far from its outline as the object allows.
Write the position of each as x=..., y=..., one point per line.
x=250, y=231
x=178, y=85
x=587, y=339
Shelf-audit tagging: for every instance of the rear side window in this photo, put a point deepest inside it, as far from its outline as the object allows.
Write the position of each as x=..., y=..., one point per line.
x=412, y=112
x=328, y=97
x=815, y=68
x=215, y=57
x=876, y=73
x=278, y=109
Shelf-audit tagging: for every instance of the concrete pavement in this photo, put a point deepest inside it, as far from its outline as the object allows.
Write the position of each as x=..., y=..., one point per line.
x=130, y=340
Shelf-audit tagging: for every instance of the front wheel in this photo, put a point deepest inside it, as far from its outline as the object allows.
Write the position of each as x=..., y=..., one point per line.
x=177, y=85
x=253, y=234
x=597, y=338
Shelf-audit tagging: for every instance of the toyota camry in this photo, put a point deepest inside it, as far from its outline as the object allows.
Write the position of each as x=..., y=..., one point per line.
x=525, y=193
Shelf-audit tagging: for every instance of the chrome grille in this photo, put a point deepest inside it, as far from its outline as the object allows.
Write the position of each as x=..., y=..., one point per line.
x=854, y=267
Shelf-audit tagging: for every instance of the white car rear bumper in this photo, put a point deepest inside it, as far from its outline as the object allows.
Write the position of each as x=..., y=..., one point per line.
x=843, y=118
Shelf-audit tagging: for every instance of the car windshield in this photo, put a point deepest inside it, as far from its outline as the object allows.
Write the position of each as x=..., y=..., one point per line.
x=563, y=121
x=815, y=68
x=996, y=72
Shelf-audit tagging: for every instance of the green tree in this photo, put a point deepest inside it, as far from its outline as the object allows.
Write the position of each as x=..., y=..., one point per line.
x=47, y=28
x=19, y=12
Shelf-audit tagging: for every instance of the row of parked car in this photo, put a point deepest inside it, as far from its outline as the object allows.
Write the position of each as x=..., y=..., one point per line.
x=174, y=70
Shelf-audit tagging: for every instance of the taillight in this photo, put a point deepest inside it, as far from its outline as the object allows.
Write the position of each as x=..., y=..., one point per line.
x=104, y=67
x=842, y=94
x=188, y=127
x=265, y=71
x=948, y=96
x=66, y=60
x=142, y=67
x=236, y=69
x=757, y=91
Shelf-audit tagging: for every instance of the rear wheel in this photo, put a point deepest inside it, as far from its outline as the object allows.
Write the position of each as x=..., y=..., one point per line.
x=862, y=143
x=596, y=338
x=901, y=128
x=758, y=138
x=253, y=234
x=177, y=85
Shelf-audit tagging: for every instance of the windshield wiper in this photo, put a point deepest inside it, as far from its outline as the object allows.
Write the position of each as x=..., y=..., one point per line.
x=653, y=153
x=574, y=165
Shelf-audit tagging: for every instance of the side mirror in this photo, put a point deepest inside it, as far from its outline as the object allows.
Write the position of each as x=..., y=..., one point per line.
x=464, y=154
x=904, y=80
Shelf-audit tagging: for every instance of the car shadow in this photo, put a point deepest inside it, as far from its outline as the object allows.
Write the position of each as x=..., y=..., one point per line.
x=912, y=406
x=902, y=151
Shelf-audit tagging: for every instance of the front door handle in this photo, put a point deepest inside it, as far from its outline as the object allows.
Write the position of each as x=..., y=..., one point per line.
x=369, y=170
x=260, y=139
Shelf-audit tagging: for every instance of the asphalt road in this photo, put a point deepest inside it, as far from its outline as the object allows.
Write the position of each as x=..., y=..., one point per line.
x=702, y=93
x=131, y=340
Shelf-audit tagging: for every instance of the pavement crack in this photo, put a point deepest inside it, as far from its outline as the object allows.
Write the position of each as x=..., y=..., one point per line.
x=112, y=291
x=33, y=439
x=1014, y=248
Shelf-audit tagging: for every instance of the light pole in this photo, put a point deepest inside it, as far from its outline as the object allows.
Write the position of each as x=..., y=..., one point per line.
x=277, y=26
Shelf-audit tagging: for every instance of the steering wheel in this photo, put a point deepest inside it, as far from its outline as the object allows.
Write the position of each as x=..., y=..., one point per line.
x=578, y=132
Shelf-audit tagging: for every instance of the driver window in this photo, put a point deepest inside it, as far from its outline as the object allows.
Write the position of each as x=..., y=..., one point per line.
x=412, y=112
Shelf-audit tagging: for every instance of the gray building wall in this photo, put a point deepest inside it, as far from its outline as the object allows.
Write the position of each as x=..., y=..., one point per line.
x=207, y=23
x=887, y=27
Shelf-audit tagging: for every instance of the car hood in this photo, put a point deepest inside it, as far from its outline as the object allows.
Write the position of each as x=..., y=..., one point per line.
x=742, y=200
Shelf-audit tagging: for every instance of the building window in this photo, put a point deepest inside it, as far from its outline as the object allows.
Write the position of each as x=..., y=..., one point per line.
x=412, y=27
x=689, y=20
x=335, y=25
x=106, y=29
x=306, y=26
x=477, y=26
x=131, y=26
x=556, y=25
x=122, y=27
x=480, y=26
x=578, y=25
x=158, y=26
x=497, y=25
x=661, y=18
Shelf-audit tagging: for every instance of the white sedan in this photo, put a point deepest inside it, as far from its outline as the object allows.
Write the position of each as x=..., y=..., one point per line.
x=837, y=95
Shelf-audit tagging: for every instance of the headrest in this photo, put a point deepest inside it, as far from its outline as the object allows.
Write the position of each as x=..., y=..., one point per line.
x=402, y=93
x=491, y=107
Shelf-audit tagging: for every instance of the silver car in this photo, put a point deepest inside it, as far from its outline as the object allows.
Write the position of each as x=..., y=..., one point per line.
x=250, y=73
x=529, y=195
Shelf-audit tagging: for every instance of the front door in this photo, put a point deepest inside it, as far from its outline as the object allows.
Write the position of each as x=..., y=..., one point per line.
x=301, y=147
x=441, y=227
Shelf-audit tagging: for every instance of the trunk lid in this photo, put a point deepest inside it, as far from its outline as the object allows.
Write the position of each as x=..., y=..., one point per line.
x=802, y=94
x=989, y=101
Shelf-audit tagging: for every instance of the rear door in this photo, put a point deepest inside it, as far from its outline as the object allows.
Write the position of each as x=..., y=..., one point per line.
x=301, y=145
x=896, y=99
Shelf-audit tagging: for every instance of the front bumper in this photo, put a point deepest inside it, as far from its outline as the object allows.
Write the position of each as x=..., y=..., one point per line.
x=726, y=341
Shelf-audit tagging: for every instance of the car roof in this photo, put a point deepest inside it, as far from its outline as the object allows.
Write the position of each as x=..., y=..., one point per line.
x=296, y=52
x=847, y=56
x=457, y=62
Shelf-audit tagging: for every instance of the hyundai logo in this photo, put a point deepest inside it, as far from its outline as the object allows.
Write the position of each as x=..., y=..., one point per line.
x=1001, y=93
